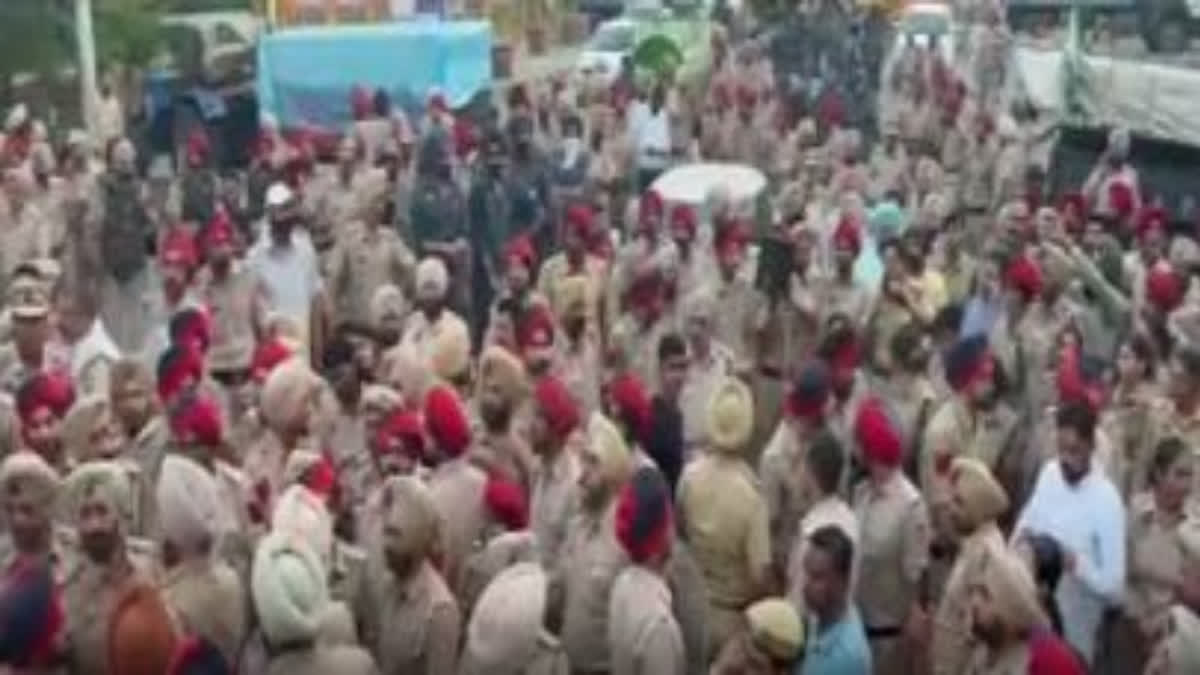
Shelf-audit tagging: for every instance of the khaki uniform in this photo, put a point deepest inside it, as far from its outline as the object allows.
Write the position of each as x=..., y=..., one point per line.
x=357, y=476
x=1013, y=660
x=412, y=626
x=149, y=446
x=335, y=203
x=90, y=594
x=690, y=606
x=738, y=302
x=322, y=660
x=348, y=576
x=1125, y=422
x=366, y=258
x=643, y=636
x=579, y=368
x=700, y=381
x=895, y=555
x=728, y=527
x=951, y=649
x=424, y=336
x=1166, y=420
x=557, y=267
x=1155, y=561
x=554, y=498
x=642, y=343
x=237, y=305
x=786, y=488
x=456, y=488
x=24, y=236
x=591, y=562
x=207, y=599
x=977, y=181
x=508, y=453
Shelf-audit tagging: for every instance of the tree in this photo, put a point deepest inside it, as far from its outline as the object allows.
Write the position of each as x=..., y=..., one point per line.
x=128, y=33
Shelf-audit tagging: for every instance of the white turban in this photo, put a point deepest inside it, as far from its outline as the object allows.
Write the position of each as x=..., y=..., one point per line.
x=124, y=151
x=105, y=480
x=286, y=391
x=279, y=194
x=16, y=117
x=189, y=503
x=387, y=300
x=432, y=278
x=301, y=513
x=288, y=586
x=507, y=622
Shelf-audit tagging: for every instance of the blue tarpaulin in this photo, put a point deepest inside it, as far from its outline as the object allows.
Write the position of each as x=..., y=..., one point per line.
x=305, y=75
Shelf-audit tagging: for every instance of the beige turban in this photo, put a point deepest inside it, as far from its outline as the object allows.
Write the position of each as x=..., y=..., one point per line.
x=381, y=399
x=407, y=372
x=287, y=392
x=25, y=473
x=1012, y=589
x=450, y=353
x=106, y=480
x=189, y=503
x=285, y=329
x=572, y=296
x=432, y=278
x=124, y=151
x=337, y=626
x=503, y=634
x=288, y=586
x=1181, y=646
x=411, y=521
x=387, y=301
x=302, y=514
x=500, y=369
x=604, y=439
x=983, y=499
x=80, y=421
x=700, y=305
x=730, y=416
x=500, y=553
x=775, y=628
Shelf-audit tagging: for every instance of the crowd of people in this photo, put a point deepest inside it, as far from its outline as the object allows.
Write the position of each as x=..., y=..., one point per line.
x=476, y=398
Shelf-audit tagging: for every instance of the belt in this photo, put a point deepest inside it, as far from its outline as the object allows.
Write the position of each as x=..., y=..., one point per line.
x=975, y=210
x=884, y=632
x=772, y=372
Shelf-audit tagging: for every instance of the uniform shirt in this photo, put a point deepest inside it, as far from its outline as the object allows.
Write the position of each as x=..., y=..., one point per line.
x=1088, y=520
x=1155, y=563
x=726, y=519
x=782, y=471
x=703, y=376
x=838, y=649
x=592, y=559
x=206, y=598
x=952, y=638
x=554, y=498
x=643, y=636
x=456, y=488
x=91, y=358
x=411, y=626
x=895, y=549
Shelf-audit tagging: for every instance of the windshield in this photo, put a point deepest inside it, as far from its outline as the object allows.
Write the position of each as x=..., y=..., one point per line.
x=612, y=38
x=926, y=23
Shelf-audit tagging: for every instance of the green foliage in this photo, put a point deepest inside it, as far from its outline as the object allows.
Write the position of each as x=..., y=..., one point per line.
x=127, y=31
x=34, y=37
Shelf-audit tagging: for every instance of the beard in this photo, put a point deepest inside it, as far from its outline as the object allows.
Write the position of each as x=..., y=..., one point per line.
x=496, y=416
x=99, y=547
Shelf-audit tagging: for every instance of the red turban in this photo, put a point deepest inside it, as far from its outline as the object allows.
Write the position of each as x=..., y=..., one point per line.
x=47, y=389
x=683, y=222
x=179, y=365
x=446, y=421
x=732, y=239
x=179, y=248
x=1024, y=275
x=31, y=615
x=267, y=355
x=746, y=96
x=847, y=235
x=876, y=434
x=520, y=251
x=506, y=502
x=1152, y=219
x=360, y=102
x=643, y=516
x=650, y=205
x=1050, y=655
x=191, y=326
x=1120, y=198
x=557, y=406
x=646, y=288
x=1164, y=288
x=197, y=147
x=809, y=393
x=401, y=427
x=579, y=220
x=198, y=421
x=535, y=330
x=1073, y=386
x=1073, y=201
x=632, y=404
x=321, y=478
x=220, y=229
x=966, y=361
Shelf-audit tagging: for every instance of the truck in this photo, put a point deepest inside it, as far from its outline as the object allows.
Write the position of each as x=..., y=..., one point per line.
x=1165, y=26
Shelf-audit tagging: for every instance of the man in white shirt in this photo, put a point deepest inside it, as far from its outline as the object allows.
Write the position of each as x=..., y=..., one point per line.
x=652, y=138
x=287, y=267
x=1078, y=506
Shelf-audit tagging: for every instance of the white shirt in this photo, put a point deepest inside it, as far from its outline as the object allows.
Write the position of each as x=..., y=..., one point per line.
x=96, y=343
x=652, y=137
x=291, y=275
x=1088, y=520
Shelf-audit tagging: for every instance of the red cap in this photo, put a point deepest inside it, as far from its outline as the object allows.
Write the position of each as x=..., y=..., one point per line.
x=847, y=235
x=179, y=248
x=632, y=403
x=876, y=434
x=1024, y=275
x=267, y=355
x=683, y=222
x=1164, y=287
x=1120, y=198
x=506, y=502
x=198, y=421
x=519, y=250
x=400, y=430
x=446, y=421
x=557, y=406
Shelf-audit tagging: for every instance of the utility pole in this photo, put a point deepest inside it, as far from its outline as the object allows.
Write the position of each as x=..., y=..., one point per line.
x=85, y=42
